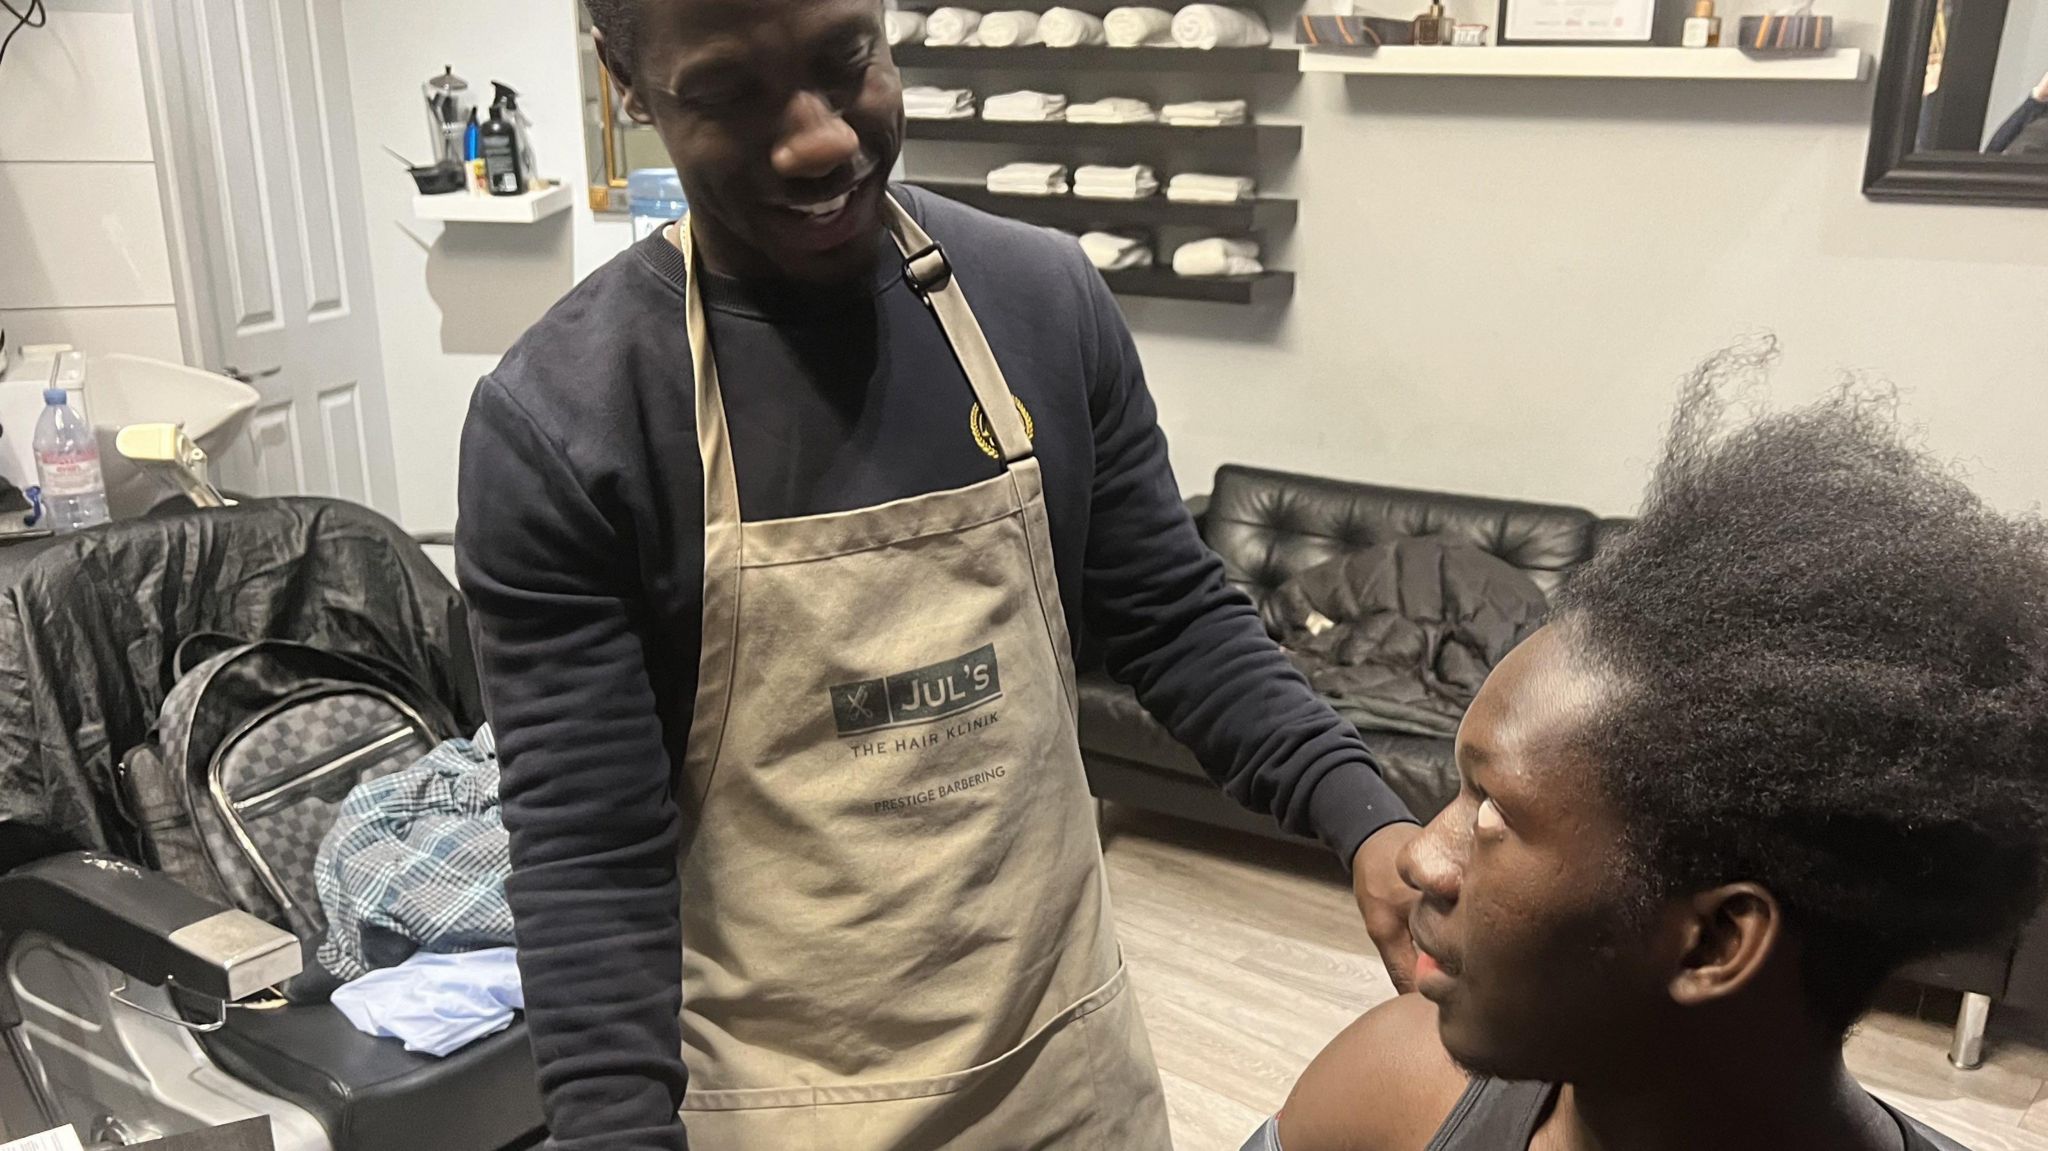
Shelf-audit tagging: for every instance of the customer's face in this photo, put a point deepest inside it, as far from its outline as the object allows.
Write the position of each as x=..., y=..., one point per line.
x=1536, y=970
x=784, y=118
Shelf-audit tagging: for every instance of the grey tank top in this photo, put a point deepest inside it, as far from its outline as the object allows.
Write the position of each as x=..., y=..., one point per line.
x=1499, y=1115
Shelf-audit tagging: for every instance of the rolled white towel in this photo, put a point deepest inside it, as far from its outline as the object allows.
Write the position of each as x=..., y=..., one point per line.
x=1013, y=29
x=1068, y=28
x=1194, y=188
x=1138, y=27
x=938, y=103
x=1218, y=257
x=1025, y=107
x=1100, y=182
x=1115, y=110
x=1215, y=26
x=950, y=27
x=1205, y=113
x=904, y=27
x=1029, y=180
x=1113, y=253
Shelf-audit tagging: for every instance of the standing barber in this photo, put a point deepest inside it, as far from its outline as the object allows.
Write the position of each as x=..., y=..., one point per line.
x=777, y=550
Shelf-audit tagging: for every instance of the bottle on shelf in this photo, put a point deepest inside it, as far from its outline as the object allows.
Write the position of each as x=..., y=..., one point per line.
x=1703, y=29
x=1435, y=26
x=68, y=466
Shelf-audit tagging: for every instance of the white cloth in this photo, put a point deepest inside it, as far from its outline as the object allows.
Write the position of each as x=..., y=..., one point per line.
x=1068, y=28
x=1099, y=182
x=1215, y=26
x=1115, y=110
x=1218, y=257
x=1205, y=113
x=1138, y=27
x=1025, y=107
x=1113, y=253
x=1008, y=30
x=938, y=103
x=1029, y=180
x=950, y=27
x=1194, y=188
x=903, y=27
x=437, y=1004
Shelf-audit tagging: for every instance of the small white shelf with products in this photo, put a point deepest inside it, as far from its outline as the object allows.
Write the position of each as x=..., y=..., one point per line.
x=470, y=208
x=1590, y=62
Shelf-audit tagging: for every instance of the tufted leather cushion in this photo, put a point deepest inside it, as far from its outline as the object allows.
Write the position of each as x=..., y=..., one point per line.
x=1270, y=526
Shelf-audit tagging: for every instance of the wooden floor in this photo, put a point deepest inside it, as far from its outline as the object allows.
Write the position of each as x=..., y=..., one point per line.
x=1248, y=956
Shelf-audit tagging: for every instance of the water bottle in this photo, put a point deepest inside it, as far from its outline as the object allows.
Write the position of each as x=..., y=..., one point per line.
x=68, y=462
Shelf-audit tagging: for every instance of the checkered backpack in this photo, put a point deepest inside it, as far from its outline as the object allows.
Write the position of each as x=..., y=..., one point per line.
x=254, y=750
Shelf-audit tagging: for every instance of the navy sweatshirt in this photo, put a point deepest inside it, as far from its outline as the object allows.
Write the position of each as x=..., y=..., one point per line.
x=581, y=552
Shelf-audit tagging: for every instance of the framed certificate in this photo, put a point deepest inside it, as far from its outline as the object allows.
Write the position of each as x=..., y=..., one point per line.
x=1579, y=21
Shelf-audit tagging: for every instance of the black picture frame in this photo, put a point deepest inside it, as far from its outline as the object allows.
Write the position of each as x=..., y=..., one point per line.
x=1896, y=168
x=1667, y=21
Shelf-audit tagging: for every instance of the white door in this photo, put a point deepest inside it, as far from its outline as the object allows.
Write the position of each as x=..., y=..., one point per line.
x=254, y=126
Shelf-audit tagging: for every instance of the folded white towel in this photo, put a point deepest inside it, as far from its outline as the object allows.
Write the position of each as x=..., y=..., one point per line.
x=1194, y=188
x=1068, y=28
x=1218, y=257
x=1029, y=180
x=938, y=103
x=1115, y=110
x=1138, y=27
x=1024, y=107
x=1099, y=182
x=1013, y=29
x=951, y=27
x=1205, y=113
x=903, y=27
x=1113, y=253
x=1215, y=26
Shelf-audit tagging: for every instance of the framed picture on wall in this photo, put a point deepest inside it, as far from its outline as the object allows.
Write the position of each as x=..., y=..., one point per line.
x=1582, y=21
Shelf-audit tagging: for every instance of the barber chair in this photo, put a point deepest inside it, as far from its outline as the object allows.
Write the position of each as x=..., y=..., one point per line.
x=132, y=1007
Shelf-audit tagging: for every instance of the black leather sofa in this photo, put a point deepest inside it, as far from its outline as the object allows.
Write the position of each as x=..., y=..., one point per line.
x=1270, y=526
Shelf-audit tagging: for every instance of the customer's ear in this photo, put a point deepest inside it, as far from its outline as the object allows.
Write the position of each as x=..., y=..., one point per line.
x=1729, y=934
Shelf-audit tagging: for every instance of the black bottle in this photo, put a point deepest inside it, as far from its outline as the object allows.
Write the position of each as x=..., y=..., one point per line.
x=502, y=150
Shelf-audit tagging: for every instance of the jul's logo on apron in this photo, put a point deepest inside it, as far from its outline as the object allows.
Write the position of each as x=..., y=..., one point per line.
x=920, y=696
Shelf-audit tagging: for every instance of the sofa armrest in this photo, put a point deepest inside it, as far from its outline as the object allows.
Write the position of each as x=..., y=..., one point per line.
x=147, y=925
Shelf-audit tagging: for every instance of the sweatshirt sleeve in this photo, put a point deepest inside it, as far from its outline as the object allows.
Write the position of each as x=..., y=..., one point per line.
x=586, y=792
x=1191, y=645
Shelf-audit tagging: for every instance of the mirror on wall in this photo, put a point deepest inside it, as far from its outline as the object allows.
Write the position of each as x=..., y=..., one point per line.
x=1962, y=103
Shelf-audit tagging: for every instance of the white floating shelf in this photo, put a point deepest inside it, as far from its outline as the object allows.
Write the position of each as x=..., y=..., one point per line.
x=469, y=208
x=1589, y=62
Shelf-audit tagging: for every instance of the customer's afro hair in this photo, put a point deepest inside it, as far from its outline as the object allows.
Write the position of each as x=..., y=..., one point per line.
x=1832, y=680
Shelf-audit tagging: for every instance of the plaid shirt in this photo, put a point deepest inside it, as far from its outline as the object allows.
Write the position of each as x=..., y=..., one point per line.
x=422, y=854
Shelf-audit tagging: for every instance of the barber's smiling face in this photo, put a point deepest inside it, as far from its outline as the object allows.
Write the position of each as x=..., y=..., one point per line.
x=784, y=118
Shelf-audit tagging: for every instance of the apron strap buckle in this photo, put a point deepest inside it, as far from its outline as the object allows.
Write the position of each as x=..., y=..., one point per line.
x=928, y=270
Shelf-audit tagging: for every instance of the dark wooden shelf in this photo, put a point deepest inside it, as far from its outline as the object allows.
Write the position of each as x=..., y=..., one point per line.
x=1240, y=137
x=1076, y=213
x=1042, y=59
x=1161, y=283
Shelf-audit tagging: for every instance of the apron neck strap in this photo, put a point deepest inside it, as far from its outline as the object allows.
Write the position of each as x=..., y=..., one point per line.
x=930, y=274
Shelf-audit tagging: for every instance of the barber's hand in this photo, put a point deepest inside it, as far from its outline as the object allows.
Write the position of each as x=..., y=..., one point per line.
x=1385, y=899
x=2041, y=90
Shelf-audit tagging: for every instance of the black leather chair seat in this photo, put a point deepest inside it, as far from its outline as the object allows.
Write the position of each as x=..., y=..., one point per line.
x=373, y=1095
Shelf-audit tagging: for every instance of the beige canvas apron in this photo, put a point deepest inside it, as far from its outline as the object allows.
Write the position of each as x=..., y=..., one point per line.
x=896, y=923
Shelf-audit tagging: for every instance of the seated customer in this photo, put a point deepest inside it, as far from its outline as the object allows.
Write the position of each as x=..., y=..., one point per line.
x=1788, y=734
